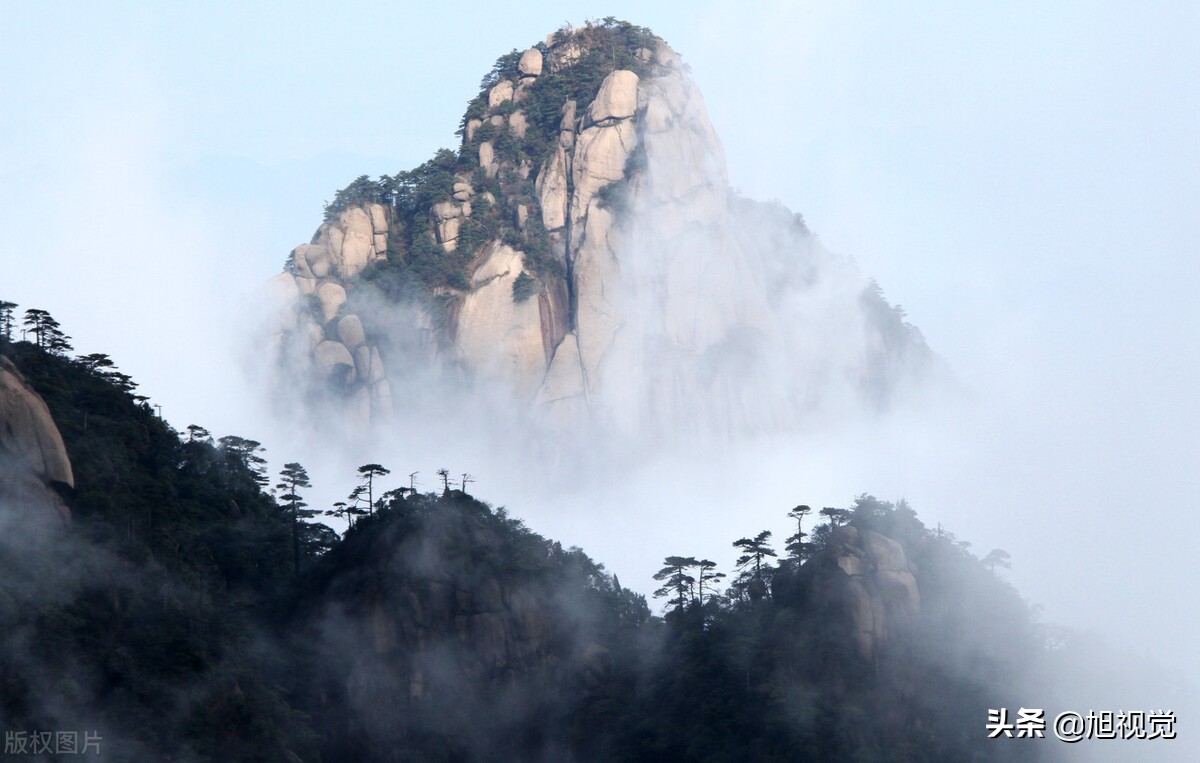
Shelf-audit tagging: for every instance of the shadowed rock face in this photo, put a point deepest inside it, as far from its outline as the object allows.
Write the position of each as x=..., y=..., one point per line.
x=867, y=578
x=32, y=456
x=672, y=304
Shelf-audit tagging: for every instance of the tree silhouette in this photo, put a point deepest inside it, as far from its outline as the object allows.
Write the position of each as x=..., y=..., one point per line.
x=46, y=331
x=341, y=509
x=293, y=477
x=197, y=433
x=835, y=516
x=356, y=499
x=706, y=575
x=676, y=582
x=369, y=472
x=997, y=557
x=6, y=321
x=445, y=475
x=245, y=452
x=754, y=551
x=796, y=547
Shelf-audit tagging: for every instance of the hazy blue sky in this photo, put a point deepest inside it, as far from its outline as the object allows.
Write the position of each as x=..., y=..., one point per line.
x=1024, y=179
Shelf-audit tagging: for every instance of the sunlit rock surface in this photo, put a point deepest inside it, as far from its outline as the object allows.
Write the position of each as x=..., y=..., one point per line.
x=661, y=299
x=32, y=455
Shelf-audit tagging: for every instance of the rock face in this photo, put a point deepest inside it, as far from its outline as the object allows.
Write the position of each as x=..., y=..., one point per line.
x=32, y=456
x=498, y=335
x=872, y=584
x=312, y=319
x=658, y=299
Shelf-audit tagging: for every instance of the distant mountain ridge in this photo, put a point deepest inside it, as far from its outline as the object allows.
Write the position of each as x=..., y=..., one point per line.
x=583, y=250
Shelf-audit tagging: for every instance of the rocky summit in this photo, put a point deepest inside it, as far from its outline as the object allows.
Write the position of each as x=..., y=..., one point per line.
x=583, y=251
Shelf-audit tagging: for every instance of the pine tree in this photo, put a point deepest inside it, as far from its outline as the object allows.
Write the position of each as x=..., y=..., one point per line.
x=6, y=321
x=706, y=575
x=369, y=472
x=754, y=550
x=796, y=547
x=246, y=452
x=678, y=584
x=293, y=477
x=997, y=557
x=35, y=323
x=835, y=516
x=341, y=509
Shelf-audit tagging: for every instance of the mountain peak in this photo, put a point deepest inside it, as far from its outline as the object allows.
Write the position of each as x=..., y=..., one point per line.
x=584, y=228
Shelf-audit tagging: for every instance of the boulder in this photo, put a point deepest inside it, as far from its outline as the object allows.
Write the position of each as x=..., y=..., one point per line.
x=463, y=191
x=617, y=98
x=447, y=233
x=487, y=158
x=445, y=210
x=502, y=91
x=344, y=246
x=29, y=439
x=666, y=57
x=358, y=242
x=473, y=126
x=300, y=261
x=305, y=255
x=331, y=296
x=879, y=593
x=566, y=116
x=447, y=217
x=33, y=461
x=350, y=331
x=333, y=358
x=600, y=156
x=530, y=64
x=521, y=94
x=518, y=124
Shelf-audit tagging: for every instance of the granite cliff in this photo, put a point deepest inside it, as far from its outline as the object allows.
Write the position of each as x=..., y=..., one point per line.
x=583, y=249
x=33, y=459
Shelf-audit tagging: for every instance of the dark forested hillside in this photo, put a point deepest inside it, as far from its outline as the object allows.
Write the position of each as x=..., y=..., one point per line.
x=187, y=613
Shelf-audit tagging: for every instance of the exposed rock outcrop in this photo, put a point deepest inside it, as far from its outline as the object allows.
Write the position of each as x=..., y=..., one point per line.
x=867, y=577
x=498, y=335
x=713, y=312
x=33, y=458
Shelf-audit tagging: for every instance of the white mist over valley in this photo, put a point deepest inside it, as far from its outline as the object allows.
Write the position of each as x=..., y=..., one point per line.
x=1020, y=180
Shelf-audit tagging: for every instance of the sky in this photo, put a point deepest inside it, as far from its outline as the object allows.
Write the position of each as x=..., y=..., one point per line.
x=1021, y=178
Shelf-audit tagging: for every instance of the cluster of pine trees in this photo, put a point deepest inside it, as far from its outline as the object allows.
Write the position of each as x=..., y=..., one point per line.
x=186, y=616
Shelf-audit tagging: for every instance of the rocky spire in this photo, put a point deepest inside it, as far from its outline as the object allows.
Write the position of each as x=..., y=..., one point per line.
x=583, y=249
